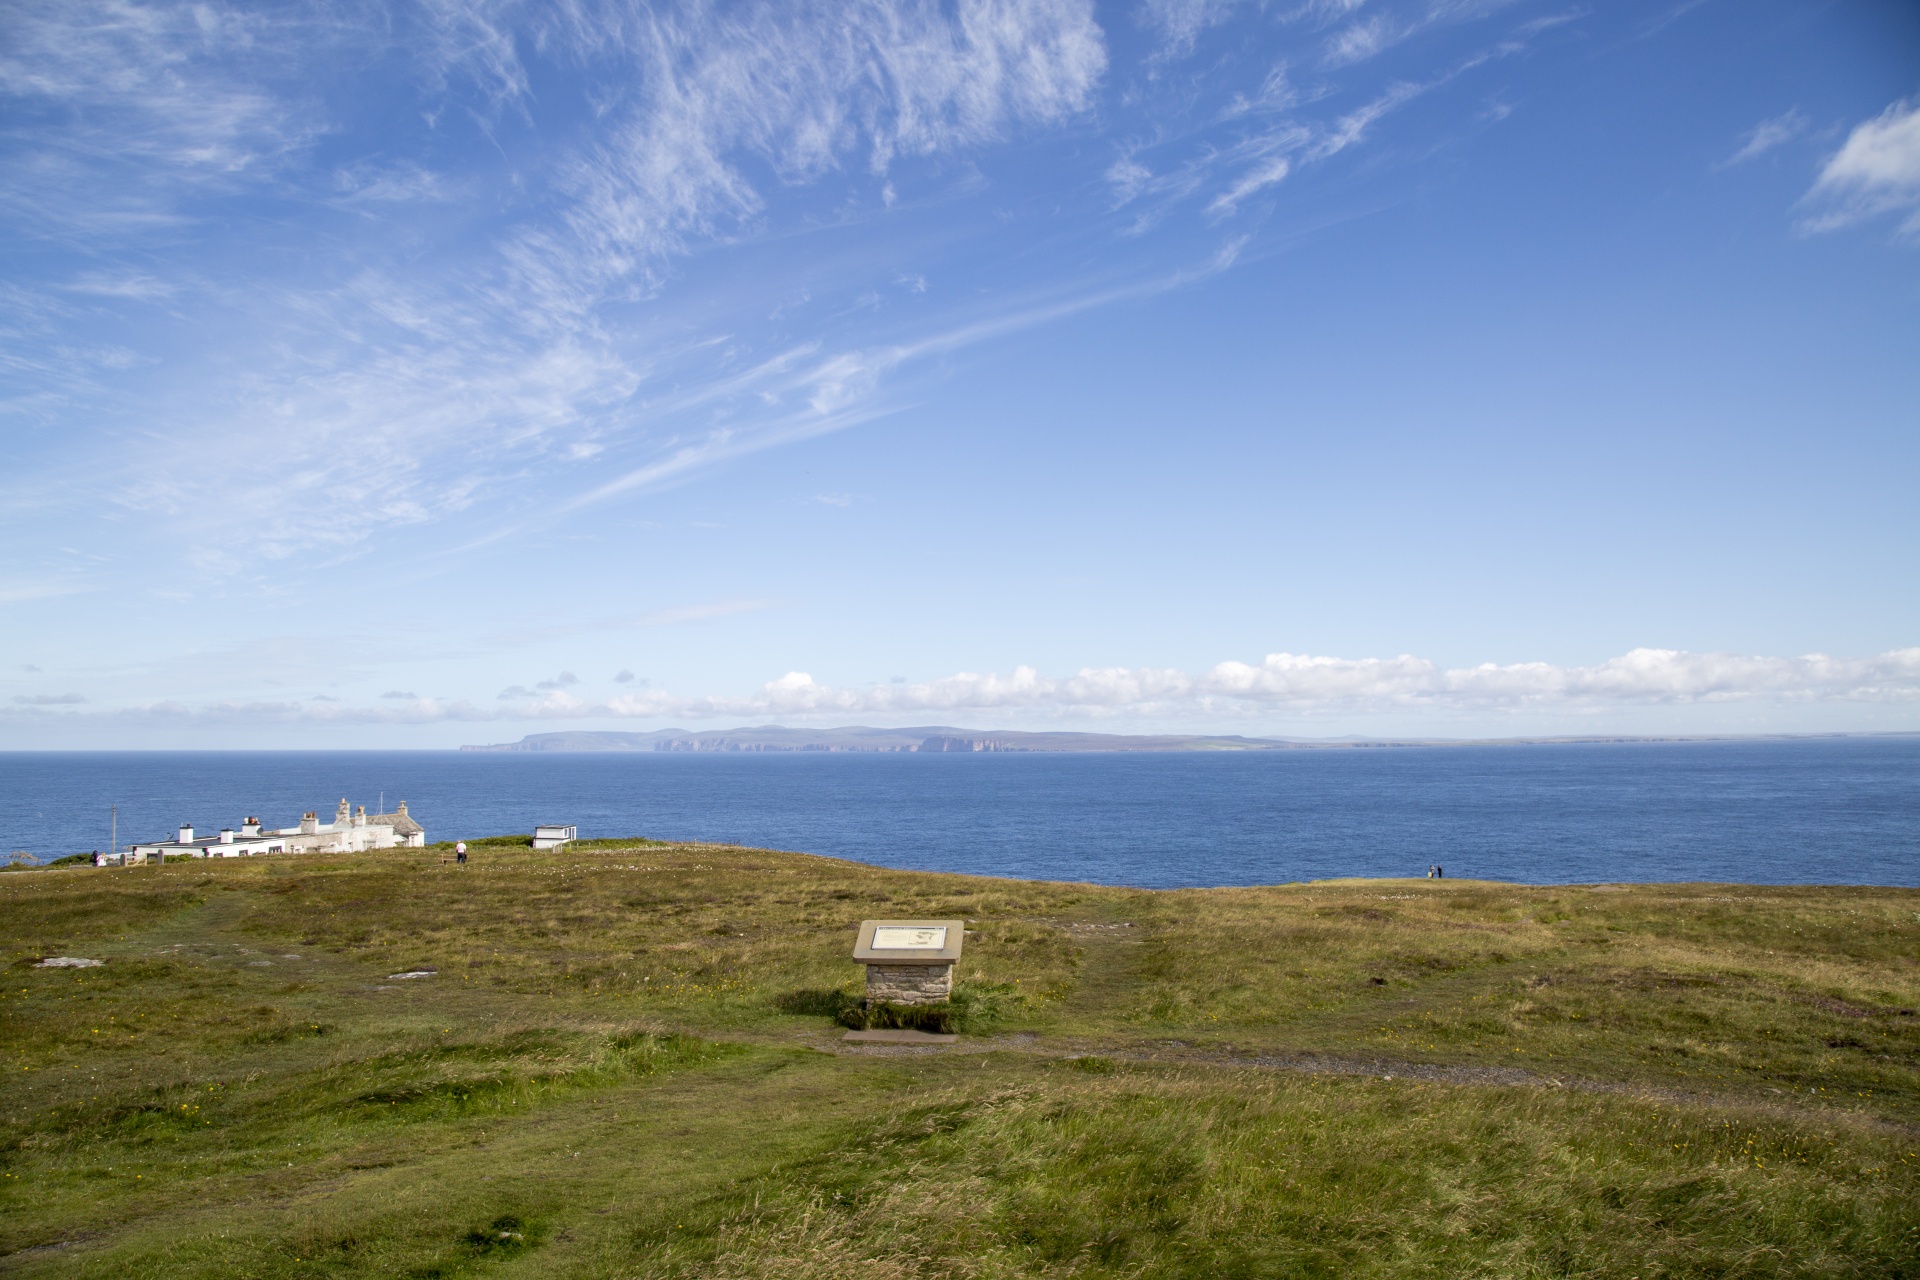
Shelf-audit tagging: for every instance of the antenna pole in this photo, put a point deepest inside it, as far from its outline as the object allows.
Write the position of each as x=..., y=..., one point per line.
x=114, y=847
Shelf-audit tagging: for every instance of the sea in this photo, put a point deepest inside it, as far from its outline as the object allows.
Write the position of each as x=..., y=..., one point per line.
x=1840, y=810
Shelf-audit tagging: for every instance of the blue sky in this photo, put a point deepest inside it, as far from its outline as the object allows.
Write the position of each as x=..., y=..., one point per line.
x=428, y=373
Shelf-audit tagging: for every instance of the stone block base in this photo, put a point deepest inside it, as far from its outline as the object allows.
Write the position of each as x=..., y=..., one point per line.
x=909, y=983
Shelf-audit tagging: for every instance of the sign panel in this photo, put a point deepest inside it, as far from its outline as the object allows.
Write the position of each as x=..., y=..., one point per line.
x=933, y=942
x=901, y=938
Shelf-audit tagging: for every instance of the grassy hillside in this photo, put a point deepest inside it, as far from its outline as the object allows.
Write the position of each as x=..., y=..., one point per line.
x=623, y=1066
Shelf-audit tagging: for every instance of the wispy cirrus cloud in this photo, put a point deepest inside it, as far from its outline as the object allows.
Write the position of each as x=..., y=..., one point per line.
x=1261, y=176
x=1179, y=23
x=24, y=592
x=1373, y=33
x=1360, y=40
x=1767, y=136
x=394, y=396
x=136, y=286
x=193, y=97
x=519, y=311
x=1278, y=143
x=803, y=89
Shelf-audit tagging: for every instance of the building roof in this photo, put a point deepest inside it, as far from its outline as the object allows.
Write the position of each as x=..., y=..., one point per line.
x=208, y=842
x=402, y=824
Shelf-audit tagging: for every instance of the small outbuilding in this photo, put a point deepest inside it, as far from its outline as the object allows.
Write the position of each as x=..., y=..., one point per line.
x=909, y=961
x=553, y=837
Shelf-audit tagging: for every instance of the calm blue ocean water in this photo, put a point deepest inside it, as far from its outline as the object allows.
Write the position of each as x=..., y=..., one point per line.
x=1833, y=811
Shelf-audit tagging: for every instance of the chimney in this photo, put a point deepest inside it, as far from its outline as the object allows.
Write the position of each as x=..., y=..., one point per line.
x=360, y=816
x=402, y=810
x=344, y=814
x=251, y=827
x=226, y=835
x=186, y=833
x=309, y=823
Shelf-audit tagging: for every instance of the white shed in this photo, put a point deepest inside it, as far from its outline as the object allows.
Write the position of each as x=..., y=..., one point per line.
x=553, y=837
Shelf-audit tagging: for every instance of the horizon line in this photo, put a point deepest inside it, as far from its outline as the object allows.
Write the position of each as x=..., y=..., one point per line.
x=1297, y=743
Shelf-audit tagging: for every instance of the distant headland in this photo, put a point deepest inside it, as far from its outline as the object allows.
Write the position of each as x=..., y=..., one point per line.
x=773, y=737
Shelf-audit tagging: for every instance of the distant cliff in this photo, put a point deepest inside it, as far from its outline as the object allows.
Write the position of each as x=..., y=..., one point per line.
x=860, y=738
x=773, y=737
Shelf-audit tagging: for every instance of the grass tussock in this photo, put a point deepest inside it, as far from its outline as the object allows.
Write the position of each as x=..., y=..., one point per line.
x=880, y=1015
x=1142, y=1175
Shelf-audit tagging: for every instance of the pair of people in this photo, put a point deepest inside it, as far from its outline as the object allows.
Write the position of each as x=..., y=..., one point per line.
x=1436, y=872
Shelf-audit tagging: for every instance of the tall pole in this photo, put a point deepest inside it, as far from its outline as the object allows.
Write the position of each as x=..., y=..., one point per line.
x=114, y=847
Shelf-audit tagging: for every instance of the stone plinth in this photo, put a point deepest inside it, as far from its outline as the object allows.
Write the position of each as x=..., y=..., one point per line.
x=909, y=961
x=909, y=983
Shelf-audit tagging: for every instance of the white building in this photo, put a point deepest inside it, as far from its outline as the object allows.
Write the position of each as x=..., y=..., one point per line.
x=227, y=844
x=552, y=837
x=351, y=831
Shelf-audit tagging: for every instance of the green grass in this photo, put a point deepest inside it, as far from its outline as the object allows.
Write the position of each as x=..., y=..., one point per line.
x=627, y=1063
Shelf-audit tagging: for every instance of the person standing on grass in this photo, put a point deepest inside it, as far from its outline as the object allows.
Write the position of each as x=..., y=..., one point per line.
x=460, y=853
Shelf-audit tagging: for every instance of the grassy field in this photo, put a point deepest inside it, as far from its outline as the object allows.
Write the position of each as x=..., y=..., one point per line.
x=624, y=1064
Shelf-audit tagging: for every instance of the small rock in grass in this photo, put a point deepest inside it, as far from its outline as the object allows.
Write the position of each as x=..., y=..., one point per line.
x=414, y=973
x=68, y=962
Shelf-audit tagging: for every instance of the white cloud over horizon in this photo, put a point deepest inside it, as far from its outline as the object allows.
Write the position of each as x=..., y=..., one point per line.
x=1227, y=692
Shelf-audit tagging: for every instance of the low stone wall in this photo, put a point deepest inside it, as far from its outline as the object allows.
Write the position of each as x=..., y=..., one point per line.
x=909, y=983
